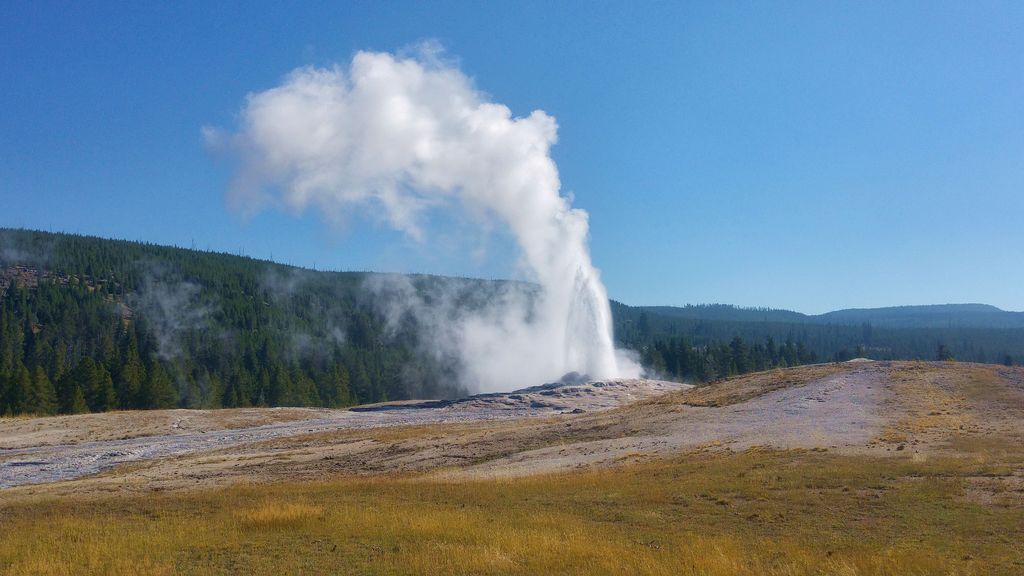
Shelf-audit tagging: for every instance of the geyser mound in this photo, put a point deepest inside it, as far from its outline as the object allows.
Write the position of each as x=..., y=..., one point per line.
x=402, y=137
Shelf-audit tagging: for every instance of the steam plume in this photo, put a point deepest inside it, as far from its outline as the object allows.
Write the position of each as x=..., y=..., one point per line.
x=401, y=136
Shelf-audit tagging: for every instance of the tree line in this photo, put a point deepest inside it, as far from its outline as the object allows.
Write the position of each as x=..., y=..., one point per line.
x=678, y=358
x=640, y=329
x=90, y=324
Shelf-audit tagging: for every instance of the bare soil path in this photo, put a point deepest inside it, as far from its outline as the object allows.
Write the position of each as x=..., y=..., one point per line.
x=837, y=410
x=42, y=450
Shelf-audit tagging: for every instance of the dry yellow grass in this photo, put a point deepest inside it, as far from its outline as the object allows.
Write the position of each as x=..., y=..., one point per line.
x=279, y=514
x=952, y=403
x=756, y=512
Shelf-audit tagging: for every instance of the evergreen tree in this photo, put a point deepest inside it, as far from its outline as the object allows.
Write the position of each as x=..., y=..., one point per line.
x=18, y=390
x=95, y=383
x=803, y=355
x=42, y=397
x=130, y=378
x=653, y=359
x=103, y=396
x=740, y=357
x=263, y=385
x=943, y=354
x=158, y=392
x=338, y=387
x=304, y=389
x=723, y=360
x=281, y=388
x=708, y=371
x=772, y=351
x=76, y=402
x=214, y=392
x=789, y=354
x=360, y=382
x=4, y=383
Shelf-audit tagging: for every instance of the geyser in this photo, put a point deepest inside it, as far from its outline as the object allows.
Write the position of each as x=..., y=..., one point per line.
x=401, y=137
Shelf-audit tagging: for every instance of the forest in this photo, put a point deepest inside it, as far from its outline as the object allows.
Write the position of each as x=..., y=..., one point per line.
x=702, y=343
x=90, y=325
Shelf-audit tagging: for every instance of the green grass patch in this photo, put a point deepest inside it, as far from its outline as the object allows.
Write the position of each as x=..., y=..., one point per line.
x=757, y=512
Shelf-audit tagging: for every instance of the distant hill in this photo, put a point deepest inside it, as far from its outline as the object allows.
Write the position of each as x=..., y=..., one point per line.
x=726, y=312
x=934, y=316
x=928, y=316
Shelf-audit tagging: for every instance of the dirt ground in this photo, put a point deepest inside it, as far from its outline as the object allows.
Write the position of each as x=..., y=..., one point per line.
x=910, y=410
x=18, y=433
x=47, y=450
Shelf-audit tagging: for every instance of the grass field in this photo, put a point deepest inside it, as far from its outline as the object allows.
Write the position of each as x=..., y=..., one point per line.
x=754, y=512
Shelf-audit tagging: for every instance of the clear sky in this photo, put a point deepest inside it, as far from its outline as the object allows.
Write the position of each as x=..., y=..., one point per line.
x=801, y=155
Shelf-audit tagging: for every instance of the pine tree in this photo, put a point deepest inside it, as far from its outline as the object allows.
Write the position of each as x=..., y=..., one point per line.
x=4, y=409
x=42, y=397
x=18, y=390
x=772, y=351
x=684, y=359
x=740, y=356
x=104, y=397
x=339, y=394
x=158, y=392
x=304, y=392
x=263, y=386
x=281, y=389
x=360, y=381
x=129, y=381
x=84, y=376
x=943, y=354
x=653, y=359
x=803, y=356
x=214, y=393
x=76, y=402
x=96, y=384
x=789, y=354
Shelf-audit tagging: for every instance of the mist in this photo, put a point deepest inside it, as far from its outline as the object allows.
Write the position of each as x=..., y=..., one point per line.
x=171, y=307
x=399, y=138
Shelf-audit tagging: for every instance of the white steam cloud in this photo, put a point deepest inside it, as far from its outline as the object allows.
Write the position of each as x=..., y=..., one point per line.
x=401, y=136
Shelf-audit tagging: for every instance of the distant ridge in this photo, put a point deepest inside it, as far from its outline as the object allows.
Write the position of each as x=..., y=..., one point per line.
x=917, y=316
x=933, y=316
x=727, y=312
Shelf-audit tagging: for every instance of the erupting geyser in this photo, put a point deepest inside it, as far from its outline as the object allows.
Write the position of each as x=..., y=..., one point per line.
x=405, y=136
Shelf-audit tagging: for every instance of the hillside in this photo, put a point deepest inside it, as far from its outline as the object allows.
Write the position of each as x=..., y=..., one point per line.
x=91, y=324
x=114, y=324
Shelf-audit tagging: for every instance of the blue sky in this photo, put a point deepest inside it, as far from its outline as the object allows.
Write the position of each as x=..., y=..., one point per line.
x=809, y=156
